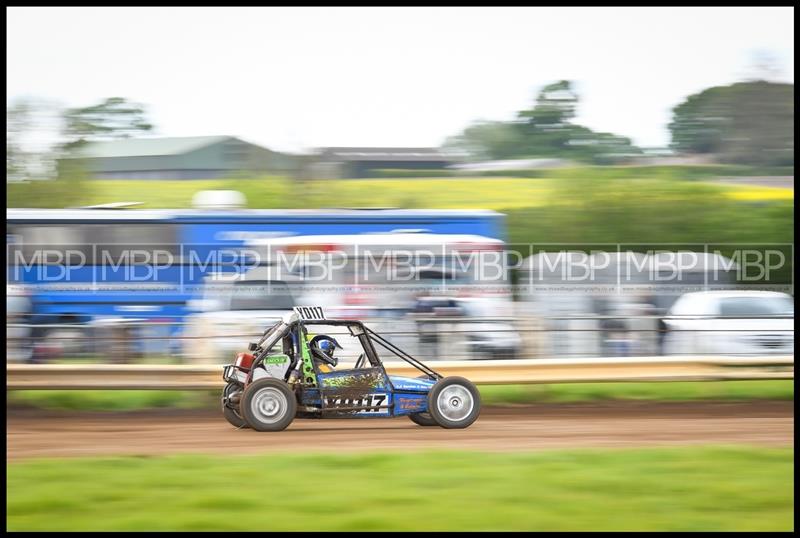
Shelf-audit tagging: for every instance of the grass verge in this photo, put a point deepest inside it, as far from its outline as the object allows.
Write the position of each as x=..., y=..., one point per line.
x=128, y=400
x=664, y=489
x=510, y=190
x=668, y=392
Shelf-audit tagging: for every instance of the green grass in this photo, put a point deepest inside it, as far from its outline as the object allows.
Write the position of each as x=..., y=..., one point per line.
x=668, y=392
x=506, y=191
x=443, y=193
x=113, y=400
x=664, y=489
x=127, y=400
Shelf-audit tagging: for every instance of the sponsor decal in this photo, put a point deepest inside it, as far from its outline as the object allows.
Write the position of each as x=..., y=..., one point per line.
x=409, y=403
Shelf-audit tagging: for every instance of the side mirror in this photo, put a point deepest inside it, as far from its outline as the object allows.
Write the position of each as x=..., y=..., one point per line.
x=252, y=346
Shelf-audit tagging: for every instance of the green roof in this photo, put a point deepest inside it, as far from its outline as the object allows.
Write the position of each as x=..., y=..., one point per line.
x=148, y=147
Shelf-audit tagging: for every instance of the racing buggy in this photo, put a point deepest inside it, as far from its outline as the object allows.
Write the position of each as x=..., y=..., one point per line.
x=291, y=372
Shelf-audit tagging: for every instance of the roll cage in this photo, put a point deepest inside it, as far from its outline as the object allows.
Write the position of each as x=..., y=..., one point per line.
x=297, y=332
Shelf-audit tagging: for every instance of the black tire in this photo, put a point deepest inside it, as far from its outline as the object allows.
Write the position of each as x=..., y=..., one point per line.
x=268, y=405
x=462, y=403
x=423, y=419
x=231, y=414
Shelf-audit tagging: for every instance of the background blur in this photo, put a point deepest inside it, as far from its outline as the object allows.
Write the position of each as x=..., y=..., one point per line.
x=642, y=162
x=476, y=183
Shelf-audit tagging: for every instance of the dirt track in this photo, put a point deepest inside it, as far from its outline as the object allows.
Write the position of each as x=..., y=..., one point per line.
x=34, y=433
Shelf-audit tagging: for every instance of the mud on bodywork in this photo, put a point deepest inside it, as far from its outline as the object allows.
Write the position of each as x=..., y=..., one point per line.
x=364, y=388
x=360, y=380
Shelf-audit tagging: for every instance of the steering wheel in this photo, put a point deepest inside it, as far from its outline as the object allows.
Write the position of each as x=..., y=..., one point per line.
x=360, y=361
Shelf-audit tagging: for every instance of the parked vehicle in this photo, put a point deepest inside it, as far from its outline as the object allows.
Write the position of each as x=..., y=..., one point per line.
x=19, y=346
x=730, y=323
x=608, y=303
x=414, y=279
x=232, y=312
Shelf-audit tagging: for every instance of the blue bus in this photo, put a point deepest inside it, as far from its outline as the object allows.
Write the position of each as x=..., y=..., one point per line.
x=80, y=265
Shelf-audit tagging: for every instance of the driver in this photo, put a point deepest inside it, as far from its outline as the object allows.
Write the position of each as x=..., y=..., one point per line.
x=323, y=348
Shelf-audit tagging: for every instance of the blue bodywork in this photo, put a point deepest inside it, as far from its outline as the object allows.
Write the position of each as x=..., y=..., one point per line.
x=410, y=394
x=395, y=396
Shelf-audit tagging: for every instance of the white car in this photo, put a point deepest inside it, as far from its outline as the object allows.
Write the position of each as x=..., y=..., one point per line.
x=231, y=315
x=730, y=323
x=460, y=335
x=18, y=332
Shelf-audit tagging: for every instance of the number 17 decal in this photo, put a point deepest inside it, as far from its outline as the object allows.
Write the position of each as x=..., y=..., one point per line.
x=371, y=401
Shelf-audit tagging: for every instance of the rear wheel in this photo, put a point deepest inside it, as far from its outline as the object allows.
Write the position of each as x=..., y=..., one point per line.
x=268, y=405
x=454, y=402
x=423, y=419
x=230, y=407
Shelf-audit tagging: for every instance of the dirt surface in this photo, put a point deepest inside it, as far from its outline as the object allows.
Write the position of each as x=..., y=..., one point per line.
x=36, y=433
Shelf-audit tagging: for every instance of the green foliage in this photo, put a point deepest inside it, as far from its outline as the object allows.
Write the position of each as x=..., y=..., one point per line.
x=644, y=489
x=18, y=119
x=486, y=140
x=545, y=130
x=26, y=120
x=70, y=188
x=555, y=106
x=113, y=400
x=586, y=212
x=115, y=117
x=747, y=122
x=665, y=172
x=31, y=175
x=263, y=192
x=648, y=211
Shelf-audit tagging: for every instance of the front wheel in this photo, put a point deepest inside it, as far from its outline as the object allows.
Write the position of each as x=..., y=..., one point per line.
x=268, y=405
x=454, y=402
x=230, y=409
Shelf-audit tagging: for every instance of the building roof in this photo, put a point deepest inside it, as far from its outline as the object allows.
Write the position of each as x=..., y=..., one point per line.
x=148, y=147
x=383, y=154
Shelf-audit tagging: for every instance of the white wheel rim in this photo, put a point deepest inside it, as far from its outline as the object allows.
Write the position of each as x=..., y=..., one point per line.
x=455, y=403
x=269, y=405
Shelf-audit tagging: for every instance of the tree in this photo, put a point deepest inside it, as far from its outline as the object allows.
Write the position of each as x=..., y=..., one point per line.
x=544, y=130
x=555, y=107
x=747, y=122
x=30, y=122
x=487, y=140
x=115, y=117
x=18, y=122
